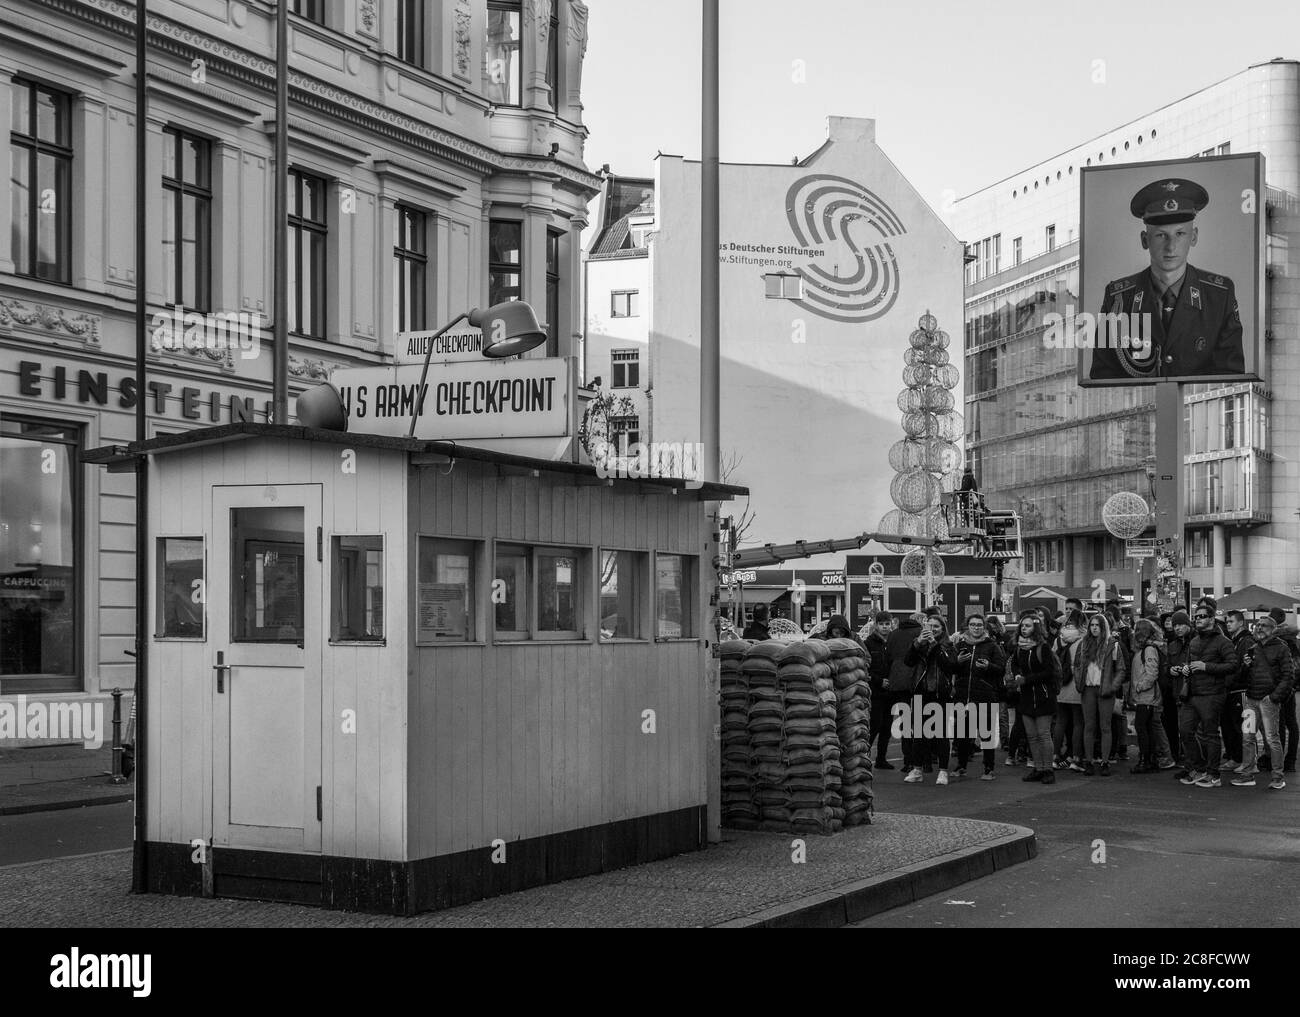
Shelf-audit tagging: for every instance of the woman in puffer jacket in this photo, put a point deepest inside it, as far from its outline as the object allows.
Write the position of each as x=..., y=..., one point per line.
x=1099, y=670
x=1144, y=691
x=1068, y=737
x=978, y=667
x=931, y=658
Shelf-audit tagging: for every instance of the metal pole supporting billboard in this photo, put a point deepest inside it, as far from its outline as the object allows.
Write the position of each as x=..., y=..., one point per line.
x=1171, y=444
x=139, y=873
x=710, y=270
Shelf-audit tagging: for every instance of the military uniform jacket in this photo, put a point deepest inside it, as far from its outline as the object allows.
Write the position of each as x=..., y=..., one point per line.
x=1204, y=335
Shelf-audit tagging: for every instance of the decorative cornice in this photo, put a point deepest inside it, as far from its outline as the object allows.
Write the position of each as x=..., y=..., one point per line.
x=308, y=368
x=47, y=318
x=212, y=99
x=417, y=173
x=311, y=93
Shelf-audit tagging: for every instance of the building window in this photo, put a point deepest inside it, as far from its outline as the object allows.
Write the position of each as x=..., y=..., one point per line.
x=410, y=31
x=1017, y=249
x=41, y=182
x=39, y=578
x=553, y=57
x=503, y=72
x=1225, y=148
x=625, y=369
x=446, y=594
x=411, y=262
x=180, y=586
x=505, y=260
x=357, y=589
x=1051, y=238
x=622, y=594
x=1031, y=557
x=625, y=304
x=553, y=292
x=783, y=286
x=187, y=222
x=543, y=593
x=1236, y=432
x=312, y=10
x=625, y=432
x=674, y=596
x=308, y=227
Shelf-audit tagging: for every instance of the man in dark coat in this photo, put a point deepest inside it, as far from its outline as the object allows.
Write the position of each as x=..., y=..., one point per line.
x=877, y=644
x=1270, y=680
x=1290, y=720
x=1206, y=663
x=757, y=629
x=902, y=675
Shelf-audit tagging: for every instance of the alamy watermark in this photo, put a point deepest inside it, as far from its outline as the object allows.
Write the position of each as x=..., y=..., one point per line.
x=1071, y=331
x=641, y=461
x=959, y=721
x=59, y=722
x=211, y=332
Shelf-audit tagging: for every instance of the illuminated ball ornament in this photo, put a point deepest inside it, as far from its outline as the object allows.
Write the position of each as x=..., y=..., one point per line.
x=921, y=565
x=914, y=491
x=1126, y=515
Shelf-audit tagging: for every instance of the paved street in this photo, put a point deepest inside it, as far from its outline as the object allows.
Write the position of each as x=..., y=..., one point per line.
x=1175, y=856
x=64, y=832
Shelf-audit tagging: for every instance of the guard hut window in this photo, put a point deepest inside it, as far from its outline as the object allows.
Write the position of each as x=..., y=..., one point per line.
x=411, y=261
x=540, y=593
x=503, y=70
x=357, y=588
x=308, y=228
x=447, y=591
x=674, y=596
x=266, y=588
x=623, y=576
x=41, y=181
x=505, y=260
x=625, y=368
x=187, y=222
x=39, y=556
x=181, y=588
x=625, y=304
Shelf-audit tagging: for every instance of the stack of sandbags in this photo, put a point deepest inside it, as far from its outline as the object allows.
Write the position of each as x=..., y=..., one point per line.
x=811, y=742
x=738, y=807
x=853, y=727
x=764, y=727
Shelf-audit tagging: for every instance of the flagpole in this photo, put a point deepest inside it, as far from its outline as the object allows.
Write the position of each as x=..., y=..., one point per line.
x=139, y=870
x=710, y=272
x=280, y=359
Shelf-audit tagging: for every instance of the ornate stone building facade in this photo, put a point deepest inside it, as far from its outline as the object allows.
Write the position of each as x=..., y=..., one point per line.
x=436, y=164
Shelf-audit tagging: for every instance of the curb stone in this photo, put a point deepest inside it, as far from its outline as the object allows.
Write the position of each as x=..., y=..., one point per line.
x=866, y=898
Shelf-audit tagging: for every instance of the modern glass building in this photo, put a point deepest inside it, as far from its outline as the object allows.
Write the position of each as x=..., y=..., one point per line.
x=1056, y=452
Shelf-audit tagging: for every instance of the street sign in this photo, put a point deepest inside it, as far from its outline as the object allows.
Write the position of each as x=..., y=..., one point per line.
x=876, y=570
x=876, y=586
x=1140, y=552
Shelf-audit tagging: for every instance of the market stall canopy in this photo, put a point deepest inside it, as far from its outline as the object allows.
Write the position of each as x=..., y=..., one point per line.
x=1257, y=598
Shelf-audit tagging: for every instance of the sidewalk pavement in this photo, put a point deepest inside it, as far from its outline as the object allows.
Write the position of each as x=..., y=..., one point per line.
x=57, y=776
x=749, y=880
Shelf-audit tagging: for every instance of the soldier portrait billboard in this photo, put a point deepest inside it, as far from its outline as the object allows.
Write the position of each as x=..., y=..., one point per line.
x=1171, y=272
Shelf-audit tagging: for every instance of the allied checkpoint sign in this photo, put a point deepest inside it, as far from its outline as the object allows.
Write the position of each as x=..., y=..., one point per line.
x=465, y=344
x=1193, y=229
x=480, y=399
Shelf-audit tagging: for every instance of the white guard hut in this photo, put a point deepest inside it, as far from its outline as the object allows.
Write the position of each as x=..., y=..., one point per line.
x=394, y=675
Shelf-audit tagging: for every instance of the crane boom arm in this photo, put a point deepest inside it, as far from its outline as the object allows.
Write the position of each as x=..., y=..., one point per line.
x=774, y=554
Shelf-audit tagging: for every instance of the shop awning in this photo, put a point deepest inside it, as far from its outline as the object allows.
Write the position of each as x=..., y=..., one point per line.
x=1257, y=598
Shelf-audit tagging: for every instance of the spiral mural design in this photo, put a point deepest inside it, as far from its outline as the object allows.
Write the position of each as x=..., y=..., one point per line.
x=824, y=209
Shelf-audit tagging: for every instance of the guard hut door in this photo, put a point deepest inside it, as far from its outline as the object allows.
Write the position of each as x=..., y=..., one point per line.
x=265, y=604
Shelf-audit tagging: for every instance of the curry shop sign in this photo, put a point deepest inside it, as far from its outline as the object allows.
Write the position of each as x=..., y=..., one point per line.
x=461, y=401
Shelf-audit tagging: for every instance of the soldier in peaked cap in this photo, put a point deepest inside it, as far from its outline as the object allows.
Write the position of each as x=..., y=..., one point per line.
x=1189, y=315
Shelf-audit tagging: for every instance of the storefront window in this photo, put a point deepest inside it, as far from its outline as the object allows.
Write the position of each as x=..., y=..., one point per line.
x=39, y=611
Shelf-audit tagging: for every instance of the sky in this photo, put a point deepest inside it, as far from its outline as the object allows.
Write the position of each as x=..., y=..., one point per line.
x=964, y=93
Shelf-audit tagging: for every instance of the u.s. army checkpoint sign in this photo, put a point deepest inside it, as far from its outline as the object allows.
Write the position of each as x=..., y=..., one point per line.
x=460, y=401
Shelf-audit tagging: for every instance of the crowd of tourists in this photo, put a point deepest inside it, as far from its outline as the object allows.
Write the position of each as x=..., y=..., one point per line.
x=1211, y=698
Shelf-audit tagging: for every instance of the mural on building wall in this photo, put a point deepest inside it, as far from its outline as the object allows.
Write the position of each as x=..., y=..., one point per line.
x=822, y=211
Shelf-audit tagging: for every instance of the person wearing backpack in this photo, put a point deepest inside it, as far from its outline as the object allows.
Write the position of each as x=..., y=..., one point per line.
x=1035, y=672
x=1144, y=691
x=1099, y=669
